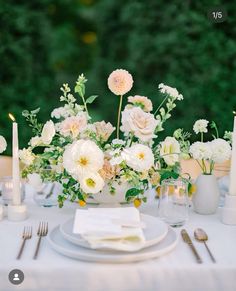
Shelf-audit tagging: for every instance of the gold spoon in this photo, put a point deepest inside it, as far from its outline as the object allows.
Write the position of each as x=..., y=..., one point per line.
x=201, y=236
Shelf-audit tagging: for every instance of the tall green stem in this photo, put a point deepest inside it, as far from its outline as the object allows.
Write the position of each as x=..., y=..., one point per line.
x=163, y=101
x=85, y=105
x=118, y=117
x=201, y=136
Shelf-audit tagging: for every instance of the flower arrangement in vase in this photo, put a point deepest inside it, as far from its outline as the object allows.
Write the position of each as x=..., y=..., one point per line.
x=206, y=154
x=86, y=158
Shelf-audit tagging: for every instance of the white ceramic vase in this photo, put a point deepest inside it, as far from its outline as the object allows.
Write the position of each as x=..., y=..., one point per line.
x=105, y=198
x=206, y=198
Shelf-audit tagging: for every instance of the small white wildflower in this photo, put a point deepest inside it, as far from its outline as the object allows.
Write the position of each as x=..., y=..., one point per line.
x=173, y=92
x=200, y=126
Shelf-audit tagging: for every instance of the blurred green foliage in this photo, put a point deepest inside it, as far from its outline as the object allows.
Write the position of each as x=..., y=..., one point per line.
x=46, y=43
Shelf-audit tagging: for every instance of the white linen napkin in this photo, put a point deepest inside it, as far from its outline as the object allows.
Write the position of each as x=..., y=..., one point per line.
x=110, y=228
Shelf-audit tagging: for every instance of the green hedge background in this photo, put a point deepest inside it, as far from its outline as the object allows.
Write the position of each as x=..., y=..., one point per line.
x=46, y=43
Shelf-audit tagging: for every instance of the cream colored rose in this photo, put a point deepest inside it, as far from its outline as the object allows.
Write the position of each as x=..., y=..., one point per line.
x=104, y=130
x=144, y=102
x=170, y=150
x=109, y=171
x=140, y=123
x=48, y=132
x=73, y=125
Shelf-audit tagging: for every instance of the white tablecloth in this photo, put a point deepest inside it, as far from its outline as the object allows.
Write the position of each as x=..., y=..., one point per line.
x=176, y=271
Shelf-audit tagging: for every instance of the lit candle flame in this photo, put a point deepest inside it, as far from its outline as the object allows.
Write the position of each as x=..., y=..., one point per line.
x=11, y=116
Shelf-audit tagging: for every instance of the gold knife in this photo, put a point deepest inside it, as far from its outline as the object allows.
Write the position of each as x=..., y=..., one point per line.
x=188, y=240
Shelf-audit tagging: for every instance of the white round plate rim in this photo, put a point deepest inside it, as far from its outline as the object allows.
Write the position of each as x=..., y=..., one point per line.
x=90, y=255
x=81, y=242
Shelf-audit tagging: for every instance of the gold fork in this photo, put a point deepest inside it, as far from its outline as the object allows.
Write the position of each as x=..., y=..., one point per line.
x=27, y=234
x=42, y=231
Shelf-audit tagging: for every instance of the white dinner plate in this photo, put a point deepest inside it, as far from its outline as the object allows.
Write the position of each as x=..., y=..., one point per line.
x=155, y=230
x=71, y=250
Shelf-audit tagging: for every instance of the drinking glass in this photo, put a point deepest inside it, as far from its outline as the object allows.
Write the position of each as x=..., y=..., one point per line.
x=173, y=202
x=47, y=195
x=7, y=190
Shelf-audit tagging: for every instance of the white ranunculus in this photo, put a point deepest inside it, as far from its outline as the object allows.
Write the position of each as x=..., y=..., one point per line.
x=82, y=157
x=35, y=141
x=48, y=132
x=3, y=144
x=200, y=126
x=91, y=183
x=170, y=150
x=221, y=150
x=35, y=181
x=138, y=157
x=201, y=150
x=26, y=156
x=141, y=124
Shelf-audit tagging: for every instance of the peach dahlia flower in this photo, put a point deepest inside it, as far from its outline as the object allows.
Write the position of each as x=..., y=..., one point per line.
x=120, y=82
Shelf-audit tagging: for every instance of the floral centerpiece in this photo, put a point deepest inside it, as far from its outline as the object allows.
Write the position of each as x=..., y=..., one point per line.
x=85, y=156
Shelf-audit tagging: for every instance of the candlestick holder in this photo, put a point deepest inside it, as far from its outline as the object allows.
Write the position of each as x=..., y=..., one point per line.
x=228, y=215
x=17, y=212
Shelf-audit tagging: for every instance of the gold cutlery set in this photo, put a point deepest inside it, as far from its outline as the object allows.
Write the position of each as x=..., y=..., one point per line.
x=201, y=236
x=27, y=234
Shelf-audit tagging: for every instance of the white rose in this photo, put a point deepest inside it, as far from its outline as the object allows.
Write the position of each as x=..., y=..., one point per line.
x=48, y=132
x=3, y=144
x=170, y=150
x=139, y=157
x=138, y=122
x=200, y=126
x=26, y=156
x=201, y=150
x=91, y=183
x=221, y=150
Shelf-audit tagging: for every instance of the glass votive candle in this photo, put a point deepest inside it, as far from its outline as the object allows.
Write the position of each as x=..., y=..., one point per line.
x=7, y=190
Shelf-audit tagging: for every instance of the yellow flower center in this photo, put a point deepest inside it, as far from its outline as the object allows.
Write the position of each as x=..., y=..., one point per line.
x=141, y=156
x=90, y=183
x=83, y=161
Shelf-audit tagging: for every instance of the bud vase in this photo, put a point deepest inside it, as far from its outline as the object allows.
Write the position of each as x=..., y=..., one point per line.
x=206, y=198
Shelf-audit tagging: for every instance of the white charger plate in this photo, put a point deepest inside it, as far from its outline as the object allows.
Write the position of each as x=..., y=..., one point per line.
x=66, y=248
x=155, y=230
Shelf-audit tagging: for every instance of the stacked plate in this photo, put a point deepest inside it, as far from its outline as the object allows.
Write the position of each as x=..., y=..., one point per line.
x=160, y=239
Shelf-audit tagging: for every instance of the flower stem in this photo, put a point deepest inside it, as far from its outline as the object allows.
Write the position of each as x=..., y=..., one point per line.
x=85, y=105
x=201, y=136
x=118, y=117
x=163, y=101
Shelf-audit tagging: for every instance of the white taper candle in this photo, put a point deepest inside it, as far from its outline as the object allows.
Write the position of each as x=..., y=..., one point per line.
x=232, y=183
x=16, y=198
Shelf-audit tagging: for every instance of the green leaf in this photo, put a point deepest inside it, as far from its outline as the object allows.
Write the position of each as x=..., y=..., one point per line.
x=91, y=99
x=36, y=111
x=132, y=193
x=168, y=175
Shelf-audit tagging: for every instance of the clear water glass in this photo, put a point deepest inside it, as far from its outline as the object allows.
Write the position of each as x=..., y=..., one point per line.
x=7, y=190
x=47, y=195
x=173, y=202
